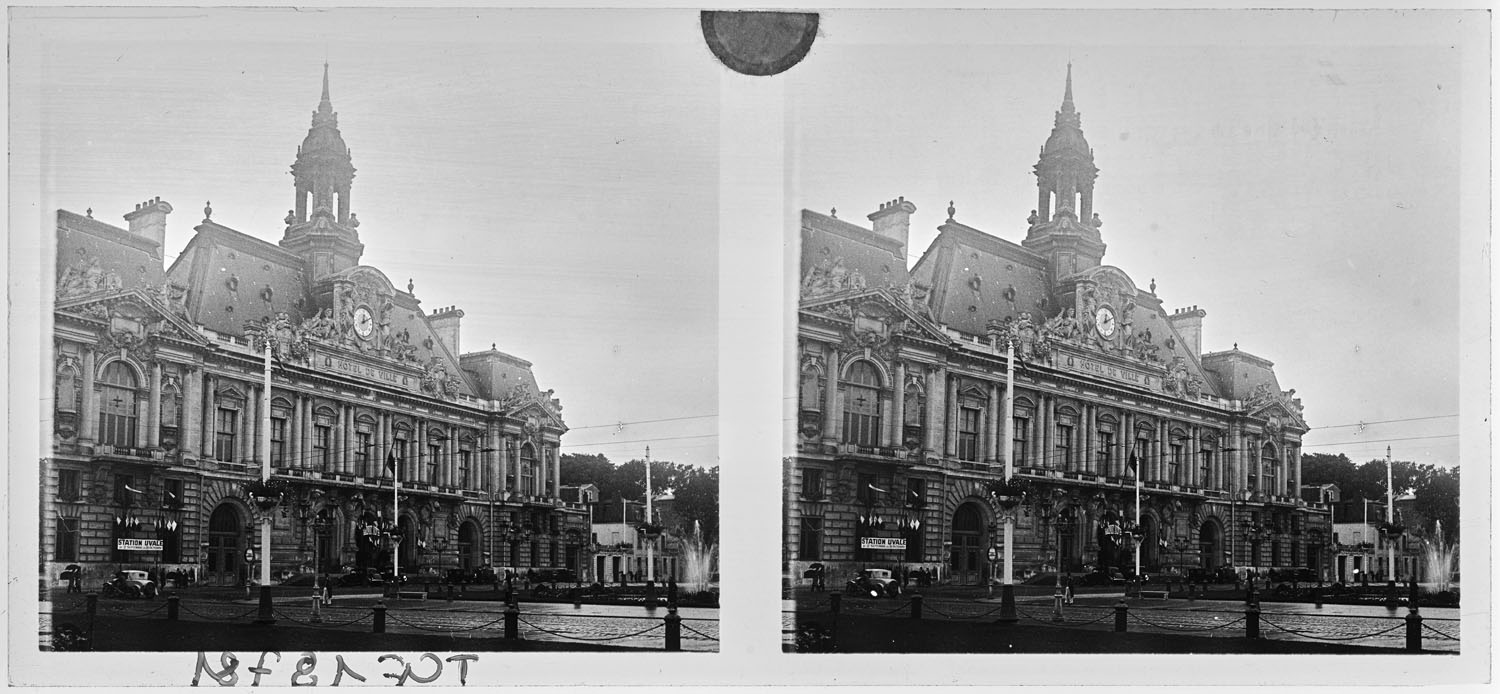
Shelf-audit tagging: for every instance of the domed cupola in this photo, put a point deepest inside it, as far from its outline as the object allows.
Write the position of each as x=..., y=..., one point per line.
x=320, y=227
x=1064, y=226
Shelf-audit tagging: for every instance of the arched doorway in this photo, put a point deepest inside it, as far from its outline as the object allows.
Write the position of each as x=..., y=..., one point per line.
x=968, y=553
x=1150, y=557
x=408, y=547
x=468, y=546
x=1210, y=545
x=226, y=529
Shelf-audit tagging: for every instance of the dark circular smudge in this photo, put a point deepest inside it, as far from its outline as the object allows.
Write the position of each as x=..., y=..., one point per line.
x=759, y=43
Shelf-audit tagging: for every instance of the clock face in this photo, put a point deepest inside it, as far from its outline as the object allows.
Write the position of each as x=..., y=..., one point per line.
x=1105, y=320
x=364, y=323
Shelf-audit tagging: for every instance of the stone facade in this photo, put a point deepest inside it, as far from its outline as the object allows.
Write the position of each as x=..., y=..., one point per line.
x=901, y=437
x=161, y=416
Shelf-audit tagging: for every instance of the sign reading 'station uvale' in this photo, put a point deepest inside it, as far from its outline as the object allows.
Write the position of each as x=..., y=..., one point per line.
x=898, y=543
x=131, y=544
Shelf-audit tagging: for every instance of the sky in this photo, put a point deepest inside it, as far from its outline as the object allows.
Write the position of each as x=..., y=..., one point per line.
x=556, y=181
x=1297, y=175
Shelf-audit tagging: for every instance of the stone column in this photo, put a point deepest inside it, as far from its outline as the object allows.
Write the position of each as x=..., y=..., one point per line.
x=192, y=410
x=1090, y=437
x=247, y=427
x=556, y=461
x=936, y=425
x=420, y=459
x=830, y=396
x=898, y=406
x=950, y=420
x=210, y=414
x=1294, y=454
x=294, y=432
x=994, y=428
x=153, y=411
x=1048, y=427
x=1163, y=449
x=88, y=415
x=1034, y=435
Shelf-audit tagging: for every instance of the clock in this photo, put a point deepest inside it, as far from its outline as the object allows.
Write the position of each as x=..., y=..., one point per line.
x=1104, y=319
x=364, y=323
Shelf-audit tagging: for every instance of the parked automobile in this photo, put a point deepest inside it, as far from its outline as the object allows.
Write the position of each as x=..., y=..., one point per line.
x=556, y=576
x=129, y=584
x=1112, y=577
x=874, y=583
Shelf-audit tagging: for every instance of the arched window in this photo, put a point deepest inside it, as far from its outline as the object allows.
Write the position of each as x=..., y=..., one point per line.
x=528, y=470
x=862, y=405
x=117, y=409
x=1268, y=466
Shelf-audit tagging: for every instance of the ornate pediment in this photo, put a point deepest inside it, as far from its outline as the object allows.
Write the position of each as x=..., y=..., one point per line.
x=524, y=403
x=133, y=318
x=876, y=317
x=1279, y=409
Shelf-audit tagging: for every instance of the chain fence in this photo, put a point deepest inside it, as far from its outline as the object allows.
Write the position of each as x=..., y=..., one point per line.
x=1439, y=632
x=1319, y=637
x=564, y=635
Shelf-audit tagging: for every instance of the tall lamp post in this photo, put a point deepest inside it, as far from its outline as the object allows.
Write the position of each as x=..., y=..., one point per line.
x=1008, y=494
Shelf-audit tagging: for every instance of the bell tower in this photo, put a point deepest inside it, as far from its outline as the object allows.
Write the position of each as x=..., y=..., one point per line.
x=1064, y=226
x=320, y=227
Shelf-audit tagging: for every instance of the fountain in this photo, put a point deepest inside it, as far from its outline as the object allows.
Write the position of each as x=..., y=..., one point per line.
x=700, y=560
x=1440, y=561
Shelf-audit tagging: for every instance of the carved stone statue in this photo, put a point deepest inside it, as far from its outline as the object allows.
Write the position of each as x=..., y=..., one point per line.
x=1064, y=326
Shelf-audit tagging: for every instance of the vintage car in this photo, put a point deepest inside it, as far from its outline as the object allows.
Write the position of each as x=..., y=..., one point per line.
x=130, y=584
x=874, y=583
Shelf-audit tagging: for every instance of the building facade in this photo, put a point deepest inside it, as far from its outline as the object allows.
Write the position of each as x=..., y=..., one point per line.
x=901, y=430
x=159, y=413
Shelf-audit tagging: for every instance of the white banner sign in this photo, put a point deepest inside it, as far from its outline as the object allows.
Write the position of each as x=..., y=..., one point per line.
x=131, y=544
x=882, y=543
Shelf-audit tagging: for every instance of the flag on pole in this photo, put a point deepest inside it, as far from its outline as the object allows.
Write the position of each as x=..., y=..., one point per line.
x=390, y=460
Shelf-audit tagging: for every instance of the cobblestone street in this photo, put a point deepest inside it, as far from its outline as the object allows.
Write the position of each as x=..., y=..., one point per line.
x=1352, y=624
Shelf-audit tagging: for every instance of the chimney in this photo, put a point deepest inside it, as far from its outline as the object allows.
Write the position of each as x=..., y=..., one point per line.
x=893, y=221
x=1188, y=322
x=149, y=220
x=444, y=322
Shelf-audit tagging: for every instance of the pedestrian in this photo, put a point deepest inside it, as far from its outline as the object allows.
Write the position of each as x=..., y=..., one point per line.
x=327, y=590
x=1068, y=589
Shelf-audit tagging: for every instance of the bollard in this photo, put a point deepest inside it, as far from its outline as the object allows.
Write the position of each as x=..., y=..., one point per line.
x=1413, y=621
x=92, y=606
x=172, y=606
x=1121, y=609
x=512, y=622
x=1252, y=621
x=1391, y=601
x=916, y=607
x=833, y=602
x=1318, y=597
x=450, y=592
x=674, y=630
x=380, y=616
x=577, y=598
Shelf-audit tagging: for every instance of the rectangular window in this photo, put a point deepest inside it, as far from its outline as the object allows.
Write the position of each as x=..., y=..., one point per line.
x=363, y=441
x=69, y=485
x=810, y=539
x=1018, y=428
x=968, y=433
x=434, y=456
x=1176, y=464
x=398, y=449
x=862, y=416
x=323, y=447
x=1141, y=453
x=1064, y=447
x=536, y=554
x=463, y=468
x=117, y=418
x=1205, y=468
x=552, y=555
x=171, y=493
x=916, y=492
x=123, y=494
x=868, y=493
x=65, y=544
x=278, y=441
x=224, y=430
x=1106, y=453
x=812, y=484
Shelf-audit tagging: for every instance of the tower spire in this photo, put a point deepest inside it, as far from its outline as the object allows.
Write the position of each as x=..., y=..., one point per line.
x=326, y=104
x=1067, y=104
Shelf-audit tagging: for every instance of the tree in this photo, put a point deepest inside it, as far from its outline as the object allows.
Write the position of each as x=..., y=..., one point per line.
x=697, y=499
x=695, y=490
x=1437, y=500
